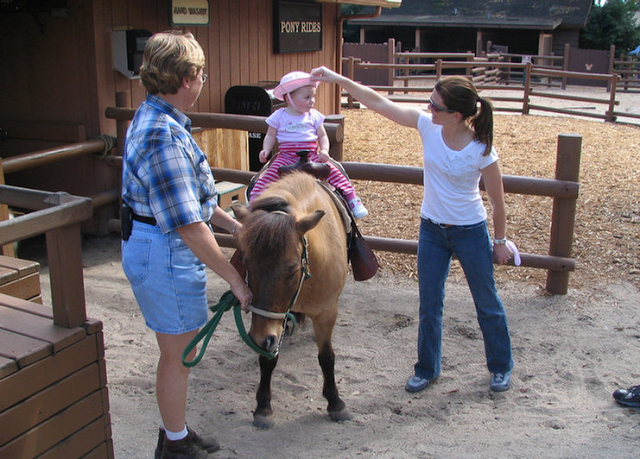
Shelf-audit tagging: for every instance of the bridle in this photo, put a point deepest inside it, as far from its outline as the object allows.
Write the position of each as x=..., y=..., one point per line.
x=305, y=273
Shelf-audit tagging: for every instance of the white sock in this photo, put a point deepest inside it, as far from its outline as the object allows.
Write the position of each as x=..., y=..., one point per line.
x=174, y=436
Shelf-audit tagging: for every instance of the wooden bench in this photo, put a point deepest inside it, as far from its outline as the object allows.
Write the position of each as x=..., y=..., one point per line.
x=20, y=278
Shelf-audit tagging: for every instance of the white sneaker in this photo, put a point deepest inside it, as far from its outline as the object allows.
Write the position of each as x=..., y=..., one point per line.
x=359, y=211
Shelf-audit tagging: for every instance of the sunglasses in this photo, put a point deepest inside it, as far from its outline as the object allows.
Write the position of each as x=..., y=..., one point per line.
x=437, y=108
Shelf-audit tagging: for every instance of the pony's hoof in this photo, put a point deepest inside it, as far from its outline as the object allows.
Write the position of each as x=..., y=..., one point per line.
x=342, y=415
x=263, y=422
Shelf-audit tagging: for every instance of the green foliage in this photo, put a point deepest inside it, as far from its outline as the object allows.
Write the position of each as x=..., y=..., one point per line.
x=612, y=24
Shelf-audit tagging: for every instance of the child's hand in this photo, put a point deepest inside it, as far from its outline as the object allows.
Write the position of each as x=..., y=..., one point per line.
x=264, y=155
x=323, y=157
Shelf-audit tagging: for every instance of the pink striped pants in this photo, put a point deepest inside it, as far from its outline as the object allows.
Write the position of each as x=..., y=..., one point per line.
x=286, y=156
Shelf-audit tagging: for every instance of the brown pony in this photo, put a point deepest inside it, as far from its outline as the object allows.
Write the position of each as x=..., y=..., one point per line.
x=294, y=226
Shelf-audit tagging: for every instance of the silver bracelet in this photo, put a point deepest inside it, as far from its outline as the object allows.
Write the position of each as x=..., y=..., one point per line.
x=501, y=241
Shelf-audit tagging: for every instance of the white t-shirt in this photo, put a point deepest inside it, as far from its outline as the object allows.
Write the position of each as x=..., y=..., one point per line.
x=302, y=128
x=451, y=178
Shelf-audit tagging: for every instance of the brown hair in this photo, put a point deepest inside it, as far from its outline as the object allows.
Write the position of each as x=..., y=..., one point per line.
x=459, y=94
x=168, y=58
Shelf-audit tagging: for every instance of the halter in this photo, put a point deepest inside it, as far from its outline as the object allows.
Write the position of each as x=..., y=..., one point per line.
x=229, y=300
x=305, y=273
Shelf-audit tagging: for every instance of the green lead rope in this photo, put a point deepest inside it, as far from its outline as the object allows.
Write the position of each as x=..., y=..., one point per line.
x=227, y=301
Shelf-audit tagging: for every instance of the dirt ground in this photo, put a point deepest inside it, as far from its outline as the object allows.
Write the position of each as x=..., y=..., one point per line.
x=571, y=351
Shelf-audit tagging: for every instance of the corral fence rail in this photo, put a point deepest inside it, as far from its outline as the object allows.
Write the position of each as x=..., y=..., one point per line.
x=563, y=188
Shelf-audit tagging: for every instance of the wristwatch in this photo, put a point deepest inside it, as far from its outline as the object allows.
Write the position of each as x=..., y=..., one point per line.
x=501, y=241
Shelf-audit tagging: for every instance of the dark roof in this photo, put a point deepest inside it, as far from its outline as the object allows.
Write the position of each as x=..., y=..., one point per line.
x=516, y=14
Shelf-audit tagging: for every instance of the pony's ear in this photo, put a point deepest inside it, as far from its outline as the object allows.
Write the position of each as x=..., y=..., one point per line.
x=308, y=222
x=240, y=211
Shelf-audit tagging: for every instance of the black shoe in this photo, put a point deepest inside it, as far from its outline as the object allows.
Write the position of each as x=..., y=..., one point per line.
x=628, y=397
x=209, y=444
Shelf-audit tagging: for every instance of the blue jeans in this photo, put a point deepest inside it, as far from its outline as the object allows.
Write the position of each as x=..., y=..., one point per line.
x=472, y=245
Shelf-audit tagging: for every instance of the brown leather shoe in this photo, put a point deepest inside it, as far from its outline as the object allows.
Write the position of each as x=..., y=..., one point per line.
x=209, y=444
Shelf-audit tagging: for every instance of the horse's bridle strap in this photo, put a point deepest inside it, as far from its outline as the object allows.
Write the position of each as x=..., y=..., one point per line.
x=267, y=314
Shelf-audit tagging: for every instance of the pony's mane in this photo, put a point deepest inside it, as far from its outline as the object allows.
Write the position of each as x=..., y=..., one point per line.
x=267, y=230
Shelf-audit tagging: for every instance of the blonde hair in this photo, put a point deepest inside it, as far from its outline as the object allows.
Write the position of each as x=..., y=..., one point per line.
x=168, y=58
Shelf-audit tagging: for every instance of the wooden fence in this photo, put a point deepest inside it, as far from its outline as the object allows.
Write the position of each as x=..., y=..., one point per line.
x=520, y=101
x=563, y=189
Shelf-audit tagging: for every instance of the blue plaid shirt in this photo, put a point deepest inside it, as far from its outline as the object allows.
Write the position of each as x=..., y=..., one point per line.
x=165, y=174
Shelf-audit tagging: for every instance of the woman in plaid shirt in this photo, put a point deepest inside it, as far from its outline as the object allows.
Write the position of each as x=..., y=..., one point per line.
x=169, y=190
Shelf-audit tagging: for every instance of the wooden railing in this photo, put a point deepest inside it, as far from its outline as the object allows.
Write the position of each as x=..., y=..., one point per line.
x=563, y=189
x=58, y=216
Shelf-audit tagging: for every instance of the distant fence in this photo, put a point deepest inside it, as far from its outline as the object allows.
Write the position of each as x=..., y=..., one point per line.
x=519, y=102
x=422, y=64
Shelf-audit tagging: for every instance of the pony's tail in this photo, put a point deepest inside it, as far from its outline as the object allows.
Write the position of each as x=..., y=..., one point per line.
x=483, y=124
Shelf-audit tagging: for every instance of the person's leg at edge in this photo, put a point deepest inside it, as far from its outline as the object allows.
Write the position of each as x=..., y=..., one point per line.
x=475, y=253
x=434, y=260
x=172, y=379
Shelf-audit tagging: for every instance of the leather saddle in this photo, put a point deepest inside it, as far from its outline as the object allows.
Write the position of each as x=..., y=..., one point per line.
x=364, y=263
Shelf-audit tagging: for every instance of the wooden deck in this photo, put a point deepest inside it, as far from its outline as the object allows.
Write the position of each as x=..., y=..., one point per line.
x=54, y=402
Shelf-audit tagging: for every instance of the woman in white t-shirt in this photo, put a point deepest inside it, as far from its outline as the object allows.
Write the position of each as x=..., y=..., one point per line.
x=457, y=139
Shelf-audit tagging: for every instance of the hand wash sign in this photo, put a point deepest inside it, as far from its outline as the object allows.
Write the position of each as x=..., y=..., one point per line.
x=189, y=12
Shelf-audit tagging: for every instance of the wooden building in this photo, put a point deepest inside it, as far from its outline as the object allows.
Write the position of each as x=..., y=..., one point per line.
x=59, y=73
x=540, y=27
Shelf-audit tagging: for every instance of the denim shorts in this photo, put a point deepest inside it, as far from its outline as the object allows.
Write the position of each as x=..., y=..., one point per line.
x=167, y=279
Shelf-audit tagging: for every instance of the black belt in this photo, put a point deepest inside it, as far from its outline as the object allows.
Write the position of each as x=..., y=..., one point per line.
x=147, y=220
x=441, y=225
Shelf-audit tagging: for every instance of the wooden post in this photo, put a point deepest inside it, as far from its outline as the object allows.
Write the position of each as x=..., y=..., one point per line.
x=612, y=61
x=565, y=64
x=122, y=101
x=64, y=255
x=391, y=53
x=438, y=69
x=613, y=83
x=7, y=250
x=351, y=76
x=336, y=148
x=564, y=210
x=527, y=88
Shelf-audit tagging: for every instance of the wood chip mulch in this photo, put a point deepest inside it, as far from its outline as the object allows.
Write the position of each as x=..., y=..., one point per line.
x=607, y=231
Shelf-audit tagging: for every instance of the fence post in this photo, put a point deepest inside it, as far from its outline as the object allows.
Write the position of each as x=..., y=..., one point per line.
x=8, y=249
x=122, y=101
x=336, y=149
x=613, y=82
x=391, y=53
x=527, y=88
x=351, y=76
x=438, y=69
x=565, y=63
x=612, y=64
x=564, y=210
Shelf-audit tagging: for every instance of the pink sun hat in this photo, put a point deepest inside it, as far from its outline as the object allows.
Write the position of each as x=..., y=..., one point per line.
x=292, y=81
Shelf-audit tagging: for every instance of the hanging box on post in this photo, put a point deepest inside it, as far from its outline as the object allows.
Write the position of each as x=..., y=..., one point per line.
x=231, y=193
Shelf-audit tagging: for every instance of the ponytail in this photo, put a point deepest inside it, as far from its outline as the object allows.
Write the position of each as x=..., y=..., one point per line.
x=482, y=124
